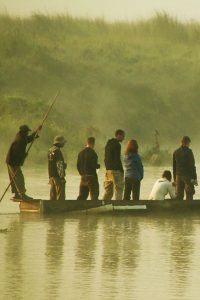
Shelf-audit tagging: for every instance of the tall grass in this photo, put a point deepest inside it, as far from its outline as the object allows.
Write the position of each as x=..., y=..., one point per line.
x=140, y=76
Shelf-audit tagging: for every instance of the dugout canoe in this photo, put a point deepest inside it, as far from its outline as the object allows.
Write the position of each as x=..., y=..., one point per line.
x=67, y=206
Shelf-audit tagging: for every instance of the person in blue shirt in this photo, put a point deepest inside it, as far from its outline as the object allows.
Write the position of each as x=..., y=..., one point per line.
x=133, y=171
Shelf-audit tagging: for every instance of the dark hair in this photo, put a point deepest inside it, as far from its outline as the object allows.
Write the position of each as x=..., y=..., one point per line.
x=186, y=140
x=167, y=174
x=132, y=146
x=119, y=132
x=91, y=140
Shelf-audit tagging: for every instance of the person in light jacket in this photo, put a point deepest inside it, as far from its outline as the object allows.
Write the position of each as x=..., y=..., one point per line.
x=133, y=171
x=163, y=187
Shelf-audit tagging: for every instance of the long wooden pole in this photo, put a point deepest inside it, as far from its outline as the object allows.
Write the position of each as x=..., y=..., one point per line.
x=42, y=123
x=44, y=119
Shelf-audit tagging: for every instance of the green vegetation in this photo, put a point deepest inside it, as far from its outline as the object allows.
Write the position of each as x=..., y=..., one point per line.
x=138, y=76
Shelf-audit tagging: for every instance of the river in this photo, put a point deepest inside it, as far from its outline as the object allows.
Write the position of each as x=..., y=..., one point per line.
x=80, y=256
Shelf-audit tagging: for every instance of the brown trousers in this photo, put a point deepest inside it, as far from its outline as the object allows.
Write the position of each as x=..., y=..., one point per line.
x=16, y=180
x=114, y=183
x=57, y=189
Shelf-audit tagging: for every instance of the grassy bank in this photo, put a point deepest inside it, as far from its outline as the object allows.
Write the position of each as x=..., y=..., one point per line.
x=139, y=76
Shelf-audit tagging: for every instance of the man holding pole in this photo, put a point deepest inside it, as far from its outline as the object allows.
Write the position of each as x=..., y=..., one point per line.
x=17, y=154
x=15, y=159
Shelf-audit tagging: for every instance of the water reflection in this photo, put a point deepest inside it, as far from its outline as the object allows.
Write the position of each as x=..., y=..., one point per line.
x=100, y=257
x=13, y=271
x=86, y=243
x=181, y=251
x=54, y=255
x=117, y=233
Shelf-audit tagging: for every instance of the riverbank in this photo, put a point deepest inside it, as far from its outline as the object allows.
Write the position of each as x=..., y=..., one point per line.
x=138, y=76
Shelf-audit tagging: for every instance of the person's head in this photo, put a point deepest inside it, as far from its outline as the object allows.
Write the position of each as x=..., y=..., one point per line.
x=186, y=141
x=91, y=142
x=59, y=141
x=167, y=174
x=120, y=135
x=24, y=129
x=132, y=146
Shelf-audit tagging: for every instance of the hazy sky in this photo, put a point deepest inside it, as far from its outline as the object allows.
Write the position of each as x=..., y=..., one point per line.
x=109, y=9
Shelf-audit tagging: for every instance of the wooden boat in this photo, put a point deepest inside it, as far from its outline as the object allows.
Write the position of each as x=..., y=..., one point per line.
x=47, y=206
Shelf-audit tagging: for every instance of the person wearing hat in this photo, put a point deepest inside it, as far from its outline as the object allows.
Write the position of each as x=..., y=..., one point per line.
x=56, y=169
x=184, y=170
x=15, y=159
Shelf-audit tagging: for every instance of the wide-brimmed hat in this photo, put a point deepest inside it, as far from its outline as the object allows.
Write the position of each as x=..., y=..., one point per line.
x=59, y=139
x=24, y=128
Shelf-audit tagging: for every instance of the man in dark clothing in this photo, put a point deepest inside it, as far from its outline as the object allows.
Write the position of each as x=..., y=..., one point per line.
x=56, y=169
x=184, y=170
x=15, y=159
x=114, y=177
x=87, y=164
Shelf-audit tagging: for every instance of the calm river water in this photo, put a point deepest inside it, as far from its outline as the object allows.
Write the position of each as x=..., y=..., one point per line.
x=110, y=256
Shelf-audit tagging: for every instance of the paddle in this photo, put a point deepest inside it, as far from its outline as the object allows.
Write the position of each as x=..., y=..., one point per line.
x=29, y=148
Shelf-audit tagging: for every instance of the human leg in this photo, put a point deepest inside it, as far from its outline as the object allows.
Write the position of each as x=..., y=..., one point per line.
x=16, y=180
x=52, y=189
x=93, y=186
x=180, y=185
x=61, y=191
x=83, y=189
x=118, y=181
x=189, y=189
x=127, y=189
x=135, y=189
x=57, y=189
x=108, y=186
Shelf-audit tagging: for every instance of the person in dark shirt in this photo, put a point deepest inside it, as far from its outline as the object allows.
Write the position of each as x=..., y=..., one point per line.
x=15, y=160
x=114, y=177
x=87, y=164
x=56, y=169
x=184, y=170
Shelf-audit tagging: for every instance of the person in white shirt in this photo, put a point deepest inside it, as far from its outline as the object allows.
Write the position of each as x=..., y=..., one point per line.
x=162, y=187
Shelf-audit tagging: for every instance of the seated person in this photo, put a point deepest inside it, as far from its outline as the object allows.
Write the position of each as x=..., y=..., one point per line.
x=162, y=187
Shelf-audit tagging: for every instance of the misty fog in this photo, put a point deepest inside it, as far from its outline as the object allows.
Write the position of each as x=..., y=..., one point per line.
x=111, y=10
x=140, y=77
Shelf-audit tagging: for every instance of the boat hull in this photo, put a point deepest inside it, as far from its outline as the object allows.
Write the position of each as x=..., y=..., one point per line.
x=49, y=207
